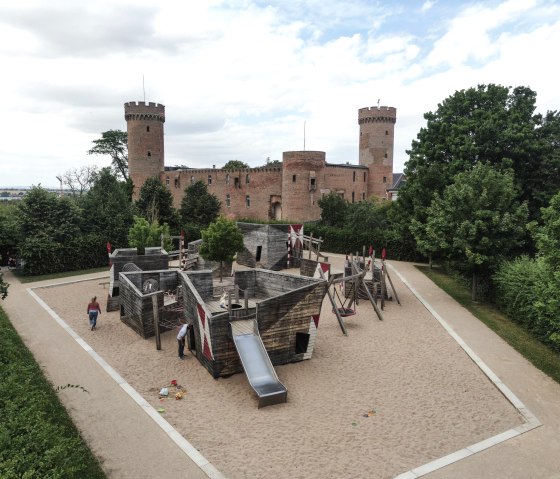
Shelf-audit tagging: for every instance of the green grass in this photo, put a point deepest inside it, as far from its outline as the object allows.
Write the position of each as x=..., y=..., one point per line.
x=65, y=274
x=37, y=436
x=540, y=355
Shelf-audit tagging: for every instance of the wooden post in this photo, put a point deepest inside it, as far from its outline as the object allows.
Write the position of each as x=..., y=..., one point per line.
x=310, y=244
x=155, y=309
x=371, y=300
x=246, y=298
x=392, y=286
x=333, y=303
x=383, y=285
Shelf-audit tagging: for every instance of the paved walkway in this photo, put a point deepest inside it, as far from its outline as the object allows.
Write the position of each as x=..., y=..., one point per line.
x=130, y=444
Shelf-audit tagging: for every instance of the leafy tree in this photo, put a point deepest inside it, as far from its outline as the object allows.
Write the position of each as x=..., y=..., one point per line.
x=9, y=230
x=492, y=124
x=115, y=144
x=478, y=220
x=548, y=236
x=220, y=241
x=155, y=203
x=235, y=165
x=199, y=207
x=50, y=230
x=333, y=210
x=143, y=234
x=78, y=180
x=107, y=209
x=370, y=215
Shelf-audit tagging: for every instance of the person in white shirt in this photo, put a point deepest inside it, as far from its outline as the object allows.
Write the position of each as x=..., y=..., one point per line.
x=181, y=341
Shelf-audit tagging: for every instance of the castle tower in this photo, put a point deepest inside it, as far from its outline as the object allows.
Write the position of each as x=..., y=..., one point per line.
x=302, y=177
x=144, y=125
x=377, y=138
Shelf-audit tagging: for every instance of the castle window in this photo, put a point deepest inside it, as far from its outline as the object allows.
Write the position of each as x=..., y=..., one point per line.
x=177, y=182
x=228, y=201
x=312, y=184
x=364, y=176
x=247, y=179
x=352, y=197
x=353, y=176
x=293, y=178
x=227, y=179
x=192, y=180
x=148, y=129
x=149, y=153
x=236, y=182
x=209, y=179
x=167, y=181
x=386, y=132
x=385, y=155
x=363, y=196
x=384, y=179
x=247, y=201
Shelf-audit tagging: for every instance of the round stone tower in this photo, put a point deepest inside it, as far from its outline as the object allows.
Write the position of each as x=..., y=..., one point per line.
x=302, y=178
x=144, y=125
x=377, y=137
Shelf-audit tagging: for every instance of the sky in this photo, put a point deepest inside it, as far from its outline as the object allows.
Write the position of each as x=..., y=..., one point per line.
x=243, y=80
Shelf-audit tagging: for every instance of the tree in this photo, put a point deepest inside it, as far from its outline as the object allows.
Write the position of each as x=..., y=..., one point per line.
x=235, y=165
x=79, y=180
x=220, y=241
x=370, y=215
x=491, y=124
x=199, y=207
x=548, y=236
x=477, y=221
x=107, y=210
x=333, y=209
x=155, y=203
x=50, y=229
x=143, y=234
x=115, y=144
x=9, y=229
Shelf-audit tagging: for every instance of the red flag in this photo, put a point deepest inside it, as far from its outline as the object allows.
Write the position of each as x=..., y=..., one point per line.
x=108, y=247
x=370, y=250
x=383, y=253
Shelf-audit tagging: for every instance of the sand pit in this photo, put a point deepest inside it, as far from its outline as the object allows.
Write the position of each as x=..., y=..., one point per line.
x=429, y=399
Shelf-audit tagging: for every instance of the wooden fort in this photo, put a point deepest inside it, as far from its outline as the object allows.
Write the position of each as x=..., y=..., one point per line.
x=273, y=247
x=285, y=309
x=147, y=294
x=126, y=259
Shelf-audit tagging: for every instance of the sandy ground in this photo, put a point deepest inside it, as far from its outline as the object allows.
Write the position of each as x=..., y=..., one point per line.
x=429, y=399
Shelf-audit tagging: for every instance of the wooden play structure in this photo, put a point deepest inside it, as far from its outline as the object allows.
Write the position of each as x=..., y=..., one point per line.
x=273, y=247
x=274, y=323
x=153, y=259
x=150, y=301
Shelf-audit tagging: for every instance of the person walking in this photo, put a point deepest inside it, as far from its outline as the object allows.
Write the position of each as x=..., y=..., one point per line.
x=181, y=341
x=93, y=309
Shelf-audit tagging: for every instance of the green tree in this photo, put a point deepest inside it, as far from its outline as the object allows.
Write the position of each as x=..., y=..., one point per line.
x=50, y=230
x=199, y=207
x=9, y=230
x=143, y=234
x=478, y=221
x=115, y=144
x=491, y=124
x=548, y=236
x=369, y=215
x=107, y=210
x=155, y=202
x=333, y=210
x=235, y=165
x=220, y=241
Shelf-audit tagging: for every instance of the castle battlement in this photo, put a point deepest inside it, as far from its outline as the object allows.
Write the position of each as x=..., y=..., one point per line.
x=371, y=114
x=141, y=111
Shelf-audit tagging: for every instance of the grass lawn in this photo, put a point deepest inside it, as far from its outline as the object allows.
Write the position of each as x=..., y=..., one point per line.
x=37, y=436
x=65, y=274
x=515, y=335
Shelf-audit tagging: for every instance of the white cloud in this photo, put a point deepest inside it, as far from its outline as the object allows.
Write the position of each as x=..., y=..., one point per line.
x=239, y=79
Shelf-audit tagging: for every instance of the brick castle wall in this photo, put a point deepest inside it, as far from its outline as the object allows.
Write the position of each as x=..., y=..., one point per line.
x=288, y=192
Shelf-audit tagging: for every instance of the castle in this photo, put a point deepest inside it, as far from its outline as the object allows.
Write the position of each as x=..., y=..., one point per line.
x=289, y=191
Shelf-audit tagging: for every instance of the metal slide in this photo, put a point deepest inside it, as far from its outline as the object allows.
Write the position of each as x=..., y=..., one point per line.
x=256, y=363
